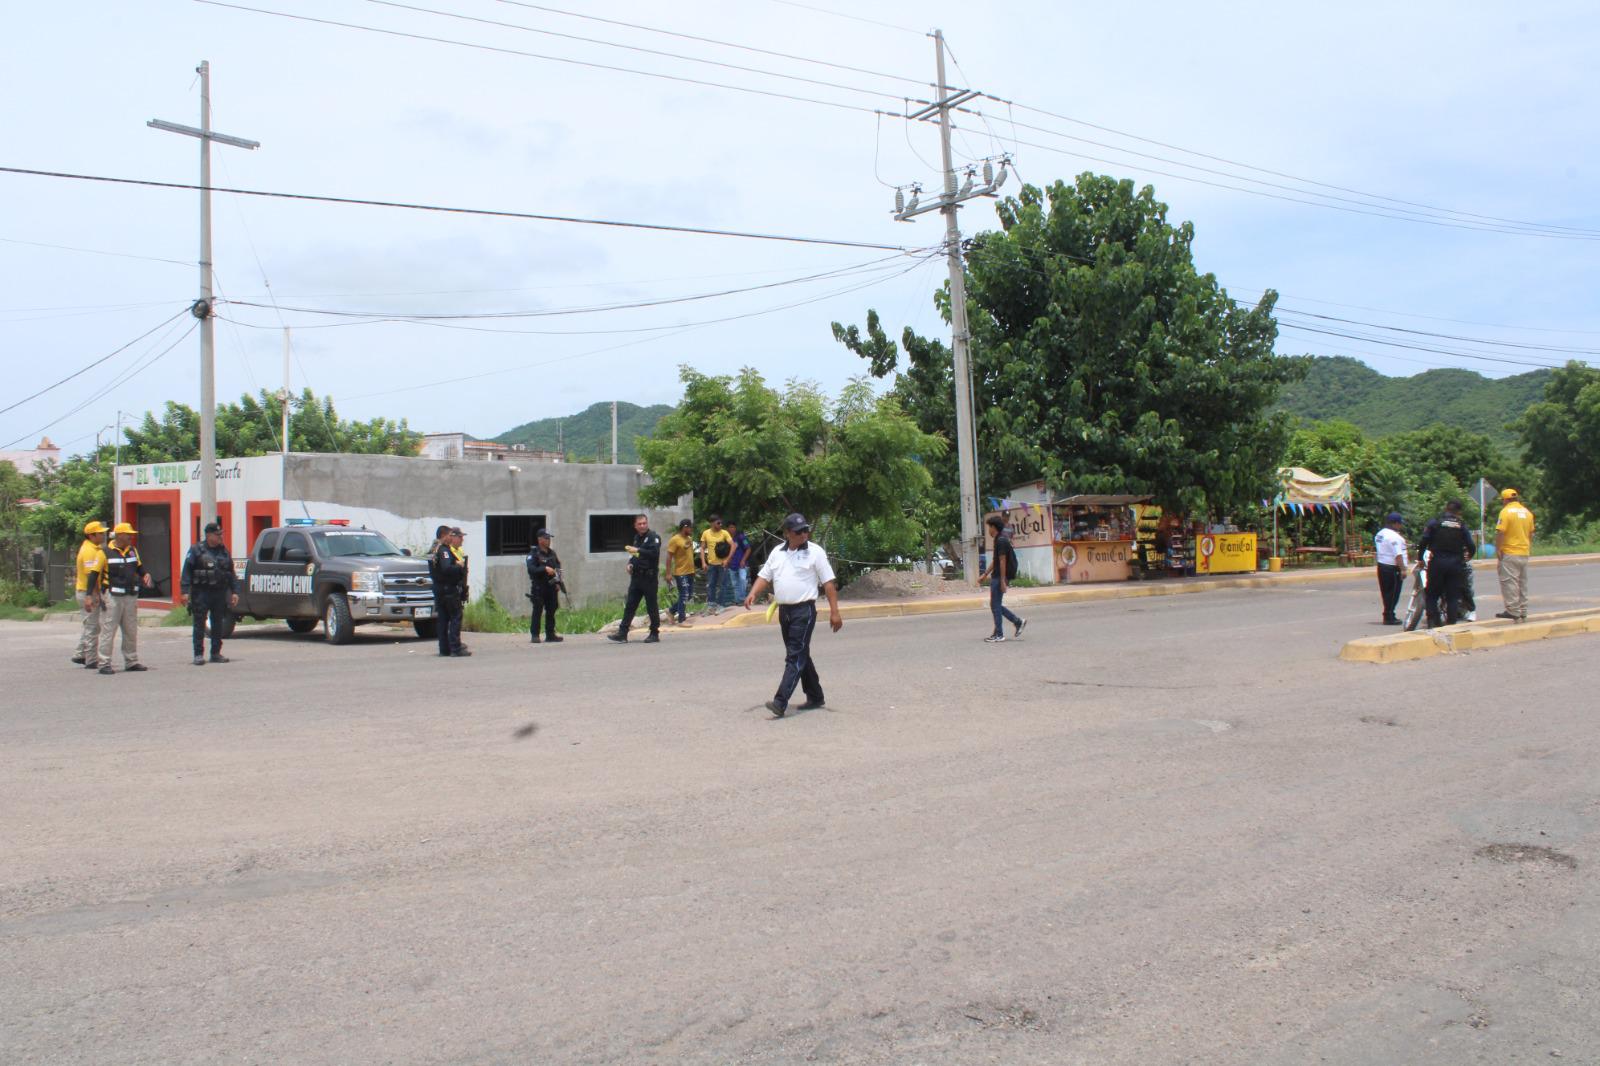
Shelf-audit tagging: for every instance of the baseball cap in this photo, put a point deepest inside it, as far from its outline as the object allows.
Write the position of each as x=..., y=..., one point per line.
x=796, y=523
x=1508, y=494
x=1396, y=516
x=543, y=533
x=95, y=527
x=213, y=527
x=455, y=531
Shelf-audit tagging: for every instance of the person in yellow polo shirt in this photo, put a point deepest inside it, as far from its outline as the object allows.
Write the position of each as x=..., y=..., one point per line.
x=91, y=560
x=1513, y=542
x=716, y=547
x=680, y=569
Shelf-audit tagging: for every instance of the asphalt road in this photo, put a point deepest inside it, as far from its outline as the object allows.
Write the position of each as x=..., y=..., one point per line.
x=1152, y=831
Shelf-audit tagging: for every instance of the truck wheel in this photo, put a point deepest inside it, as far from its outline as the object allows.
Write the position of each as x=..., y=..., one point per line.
x=336, y=616
x=427, y=628
x=302, y=625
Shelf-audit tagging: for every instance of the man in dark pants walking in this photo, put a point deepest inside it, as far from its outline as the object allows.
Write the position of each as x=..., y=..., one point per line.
x=449, y=574
x=1390, y=545
x=1002, y=568
x=544, y=574
x=1449, y=545
x=795, y=573
x=646, y=552
x=209, y=584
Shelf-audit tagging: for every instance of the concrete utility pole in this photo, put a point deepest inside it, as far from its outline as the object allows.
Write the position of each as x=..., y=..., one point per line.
x=613, y=433
x=966, y=440
x=202, y=308
x=283, y=394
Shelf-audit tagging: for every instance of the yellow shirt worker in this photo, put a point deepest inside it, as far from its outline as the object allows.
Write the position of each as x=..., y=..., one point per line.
x=91, y=560
x=716, y=544
x=680, y=570
x=1513, y=541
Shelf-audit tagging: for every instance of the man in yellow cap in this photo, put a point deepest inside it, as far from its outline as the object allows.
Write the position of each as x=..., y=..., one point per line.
x=91, y=560
x=1513, y=542
x=124, y=574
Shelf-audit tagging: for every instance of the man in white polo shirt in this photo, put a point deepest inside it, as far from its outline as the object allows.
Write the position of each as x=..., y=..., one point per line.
x=795, y=573
x=1392, y=563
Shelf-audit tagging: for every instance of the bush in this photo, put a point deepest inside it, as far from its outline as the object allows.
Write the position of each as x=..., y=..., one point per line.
x=487, y=615
x=21, y=594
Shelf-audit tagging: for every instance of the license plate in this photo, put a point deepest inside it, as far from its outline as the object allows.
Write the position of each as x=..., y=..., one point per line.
x=424, y=612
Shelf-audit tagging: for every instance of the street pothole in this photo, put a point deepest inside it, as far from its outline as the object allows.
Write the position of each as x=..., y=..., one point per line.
x=1536, y=854
x=1379, y=719
x=1003, y=1016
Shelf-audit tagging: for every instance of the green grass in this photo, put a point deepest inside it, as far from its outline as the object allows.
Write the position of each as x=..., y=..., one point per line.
x=487, y=615
x=12, y=613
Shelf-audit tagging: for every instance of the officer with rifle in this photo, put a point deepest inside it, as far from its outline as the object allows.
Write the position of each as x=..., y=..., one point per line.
x=544, y=578
x=210, y=587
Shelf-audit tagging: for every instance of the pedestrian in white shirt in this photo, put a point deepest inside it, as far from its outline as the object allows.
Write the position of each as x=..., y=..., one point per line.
x=1392, y=564
x=795, y=573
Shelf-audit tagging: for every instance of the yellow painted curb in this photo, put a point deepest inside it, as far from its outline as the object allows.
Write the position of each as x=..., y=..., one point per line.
x=1399, y=648
x=1470, y=636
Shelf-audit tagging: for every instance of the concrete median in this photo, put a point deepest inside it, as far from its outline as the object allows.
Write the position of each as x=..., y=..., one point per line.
x=1470, y=636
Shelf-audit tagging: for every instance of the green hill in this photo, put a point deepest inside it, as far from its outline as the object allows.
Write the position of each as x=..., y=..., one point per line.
x=588, y=435
x=1345, y=388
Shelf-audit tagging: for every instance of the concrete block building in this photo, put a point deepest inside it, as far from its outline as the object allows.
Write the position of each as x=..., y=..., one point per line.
x=588, y=507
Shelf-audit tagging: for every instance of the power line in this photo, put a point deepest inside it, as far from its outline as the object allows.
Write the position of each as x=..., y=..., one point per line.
x=633, y=48
x=876, y=264
x=713, y=40
x=852, y=18
x=97, y=251
x=115, y=383
x=1465, y=218
x=1273, y=173
x=85, y=369
x=485, y=212
x=1557, y=349
x=539, y=55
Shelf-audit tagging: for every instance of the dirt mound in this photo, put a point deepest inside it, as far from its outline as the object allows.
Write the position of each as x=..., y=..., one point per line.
x=894, y=585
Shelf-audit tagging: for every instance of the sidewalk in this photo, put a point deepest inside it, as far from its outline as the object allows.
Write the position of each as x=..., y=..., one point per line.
x=1019, y=598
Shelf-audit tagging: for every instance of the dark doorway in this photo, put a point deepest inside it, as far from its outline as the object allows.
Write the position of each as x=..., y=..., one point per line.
x=154, y=523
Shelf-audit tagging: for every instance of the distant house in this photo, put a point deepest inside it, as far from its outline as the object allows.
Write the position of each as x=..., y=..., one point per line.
x=460, y=446
x=31, y=460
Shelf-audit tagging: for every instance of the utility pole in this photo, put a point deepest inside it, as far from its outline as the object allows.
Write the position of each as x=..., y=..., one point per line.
x=613, y=433
x=202, y=308
x=947, y=100
x=283, y=393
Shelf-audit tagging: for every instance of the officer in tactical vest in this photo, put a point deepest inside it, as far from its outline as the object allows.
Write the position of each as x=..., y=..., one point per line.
x=646, y=552
x=210, y=586
x=544, y=580
x=1449, y=545
x=448, y=568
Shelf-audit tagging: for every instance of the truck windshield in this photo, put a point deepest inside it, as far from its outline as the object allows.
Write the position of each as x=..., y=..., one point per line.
x=353, y=542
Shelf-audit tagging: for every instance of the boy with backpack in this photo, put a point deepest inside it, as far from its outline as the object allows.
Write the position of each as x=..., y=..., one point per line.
x=1002, y=568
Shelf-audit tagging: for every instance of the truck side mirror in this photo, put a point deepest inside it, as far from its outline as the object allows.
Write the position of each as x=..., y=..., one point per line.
x=296, y=555
x=405, y=551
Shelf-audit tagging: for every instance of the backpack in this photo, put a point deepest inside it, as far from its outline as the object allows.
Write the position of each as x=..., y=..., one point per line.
x=723, y=549
x=1010, y=557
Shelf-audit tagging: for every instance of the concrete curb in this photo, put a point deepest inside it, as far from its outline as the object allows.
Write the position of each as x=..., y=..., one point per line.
x=1470, y=636
x=1117, y=591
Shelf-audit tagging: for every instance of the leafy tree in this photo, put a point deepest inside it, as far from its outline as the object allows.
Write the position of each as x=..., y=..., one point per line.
x=752, y=453
x=251, y=427
x=1561, y=435
x=71, y=494
x=14, y=488
x=1100, y=357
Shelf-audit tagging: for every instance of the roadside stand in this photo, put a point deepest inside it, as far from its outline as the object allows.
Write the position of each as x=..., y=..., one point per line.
x=1223, y=549
x=1301, y=493
x=1095, y=537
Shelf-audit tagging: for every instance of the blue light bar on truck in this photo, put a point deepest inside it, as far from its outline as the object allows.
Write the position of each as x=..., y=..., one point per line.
x=299, y=521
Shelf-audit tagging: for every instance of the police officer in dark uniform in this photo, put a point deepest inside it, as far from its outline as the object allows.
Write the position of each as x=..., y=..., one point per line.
x=1449, y=545
x=449, y=572
x=544, y=577
x=209, y=585
x=646, y=552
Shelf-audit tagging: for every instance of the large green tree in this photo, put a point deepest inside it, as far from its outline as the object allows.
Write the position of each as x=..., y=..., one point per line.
x=1561, y=435
x=1101, y=358
x=753, y=454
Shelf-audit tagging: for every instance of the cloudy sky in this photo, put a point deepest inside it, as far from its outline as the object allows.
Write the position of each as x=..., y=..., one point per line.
x=1426, y=167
